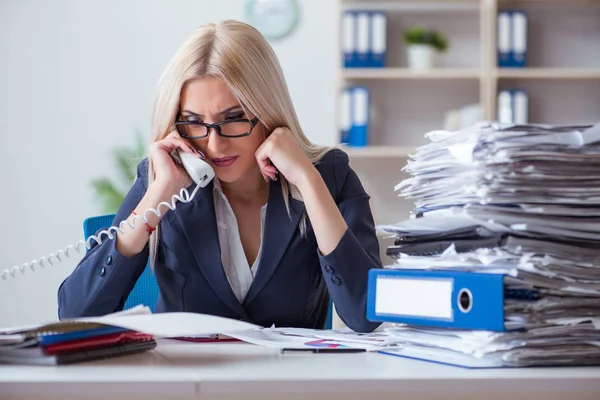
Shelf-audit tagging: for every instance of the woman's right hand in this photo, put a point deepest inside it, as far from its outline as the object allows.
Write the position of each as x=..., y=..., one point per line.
x=169, y=175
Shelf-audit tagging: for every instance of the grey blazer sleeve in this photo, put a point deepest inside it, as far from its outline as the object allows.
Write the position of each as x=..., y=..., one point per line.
x=103, y=279
x=346, y=268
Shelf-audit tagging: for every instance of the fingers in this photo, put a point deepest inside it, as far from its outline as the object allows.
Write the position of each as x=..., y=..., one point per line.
x=267, y=170
x=262, y=158
x=174, y=142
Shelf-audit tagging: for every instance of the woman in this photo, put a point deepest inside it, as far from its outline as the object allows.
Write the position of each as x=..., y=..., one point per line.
x=284, y=225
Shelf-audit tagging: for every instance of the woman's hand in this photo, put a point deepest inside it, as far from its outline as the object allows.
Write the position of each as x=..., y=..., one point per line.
x=281, y=150
x=170, y=176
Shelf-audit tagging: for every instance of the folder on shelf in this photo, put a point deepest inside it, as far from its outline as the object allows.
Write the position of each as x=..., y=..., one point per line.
x=445, y=299
x=505, y=107
x=518, y=39
x=513, y=106
x=349, y=39
x=363, y=39
x=360, y=106
x=378, y=40
x=504, y=39
x=520, y=102
x=345, y=116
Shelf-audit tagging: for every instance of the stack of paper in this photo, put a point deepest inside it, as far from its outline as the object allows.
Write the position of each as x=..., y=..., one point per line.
x=520, y=200
x=92, y=338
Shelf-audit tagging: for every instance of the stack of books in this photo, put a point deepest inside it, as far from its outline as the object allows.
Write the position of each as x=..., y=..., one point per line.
x=71, y=341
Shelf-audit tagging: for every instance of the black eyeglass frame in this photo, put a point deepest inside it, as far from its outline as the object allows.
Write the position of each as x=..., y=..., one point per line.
x=216, y=126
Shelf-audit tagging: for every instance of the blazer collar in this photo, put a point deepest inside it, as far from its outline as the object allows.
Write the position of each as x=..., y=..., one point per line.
x=279, y=231
x=199, y=224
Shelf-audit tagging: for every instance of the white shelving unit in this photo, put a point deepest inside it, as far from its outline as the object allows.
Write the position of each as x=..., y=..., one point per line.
x=562, y=77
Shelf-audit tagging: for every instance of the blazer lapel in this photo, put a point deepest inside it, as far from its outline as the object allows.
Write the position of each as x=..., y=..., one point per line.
x=199, y=224
x=279, y=230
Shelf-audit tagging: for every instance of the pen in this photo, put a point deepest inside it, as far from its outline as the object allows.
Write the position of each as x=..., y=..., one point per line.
x=324, y=350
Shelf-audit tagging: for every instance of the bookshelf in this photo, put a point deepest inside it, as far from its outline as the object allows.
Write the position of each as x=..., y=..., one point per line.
x=562, y=77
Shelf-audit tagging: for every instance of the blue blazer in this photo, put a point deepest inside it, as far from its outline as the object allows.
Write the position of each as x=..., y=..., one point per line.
x=293, y=283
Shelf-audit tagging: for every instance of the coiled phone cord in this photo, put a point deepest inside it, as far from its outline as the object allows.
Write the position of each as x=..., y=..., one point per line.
x=184, y=197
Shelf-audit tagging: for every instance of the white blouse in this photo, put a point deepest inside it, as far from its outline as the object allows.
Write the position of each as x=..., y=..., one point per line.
x=239, y=274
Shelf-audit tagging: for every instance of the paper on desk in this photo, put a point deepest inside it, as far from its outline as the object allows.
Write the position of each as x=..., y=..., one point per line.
x=174, y=324
x=291, y=338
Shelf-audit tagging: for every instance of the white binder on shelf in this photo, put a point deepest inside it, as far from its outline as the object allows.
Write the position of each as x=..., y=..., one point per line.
x=378, y=40
x=505, y=107
x=519, y=39
x=520, y=102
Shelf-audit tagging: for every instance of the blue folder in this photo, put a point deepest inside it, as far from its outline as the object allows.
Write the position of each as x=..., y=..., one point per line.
x=446, y=299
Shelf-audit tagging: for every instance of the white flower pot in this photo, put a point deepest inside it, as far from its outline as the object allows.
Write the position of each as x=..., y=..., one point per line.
x=420, y=56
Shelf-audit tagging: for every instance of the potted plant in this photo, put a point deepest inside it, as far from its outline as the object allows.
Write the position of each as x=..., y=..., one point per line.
x=421, y=46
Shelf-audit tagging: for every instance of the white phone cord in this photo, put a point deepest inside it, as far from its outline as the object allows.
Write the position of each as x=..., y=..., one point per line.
x=184, y=197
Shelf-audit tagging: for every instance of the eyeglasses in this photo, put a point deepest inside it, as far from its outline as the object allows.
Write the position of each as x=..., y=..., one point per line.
x=234, y=128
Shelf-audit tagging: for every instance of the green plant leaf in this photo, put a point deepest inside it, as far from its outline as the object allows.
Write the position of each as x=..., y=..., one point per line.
x=419, y=35
x=108, y=195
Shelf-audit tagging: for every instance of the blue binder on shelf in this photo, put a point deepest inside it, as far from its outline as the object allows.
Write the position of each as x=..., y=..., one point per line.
x=345, y=115
x=512, y=39
x=363, y=39
x=503, y=37
x=442, y=299
x=378, y=40
x=349, y=39
x=359, y=116
x=518, y=39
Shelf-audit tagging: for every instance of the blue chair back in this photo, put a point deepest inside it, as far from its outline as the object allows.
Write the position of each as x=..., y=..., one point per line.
x=145, y=290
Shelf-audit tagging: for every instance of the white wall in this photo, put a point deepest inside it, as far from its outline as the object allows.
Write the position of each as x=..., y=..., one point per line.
x=76, y=80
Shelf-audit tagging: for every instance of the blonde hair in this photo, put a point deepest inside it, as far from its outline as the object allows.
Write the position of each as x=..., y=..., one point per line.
x=239, y=55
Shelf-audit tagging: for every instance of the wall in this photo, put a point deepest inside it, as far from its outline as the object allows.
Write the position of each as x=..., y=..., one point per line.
x=77, y=80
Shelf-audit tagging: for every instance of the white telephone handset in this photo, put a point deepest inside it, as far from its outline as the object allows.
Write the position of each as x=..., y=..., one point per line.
x=200, y=172
x=197, y=169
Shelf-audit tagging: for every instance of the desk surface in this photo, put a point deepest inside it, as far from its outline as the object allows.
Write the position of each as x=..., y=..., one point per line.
x=182, y=369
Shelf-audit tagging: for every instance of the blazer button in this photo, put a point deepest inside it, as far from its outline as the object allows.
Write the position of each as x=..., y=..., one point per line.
x=329, y=270
x=336, y=281
x=102, y=271
x=109, y=259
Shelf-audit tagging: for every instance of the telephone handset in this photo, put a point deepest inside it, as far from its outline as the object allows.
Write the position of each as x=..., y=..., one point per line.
x=200, y=172
x=197, y=169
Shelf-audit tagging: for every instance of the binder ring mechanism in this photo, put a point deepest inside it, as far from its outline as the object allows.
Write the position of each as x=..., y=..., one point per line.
x=465, y=300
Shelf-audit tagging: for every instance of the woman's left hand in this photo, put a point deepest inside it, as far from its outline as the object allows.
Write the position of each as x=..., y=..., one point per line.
x=283, y=152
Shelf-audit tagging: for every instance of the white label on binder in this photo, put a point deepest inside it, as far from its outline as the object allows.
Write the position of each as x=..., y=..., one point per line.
x=503, y=32
x=422, y=298
x=346, y=120
x=348, y=33
x=363, y=33
x=520, y=107
x=519, y=22
x=505, y=109
x=360, y=106
x=378, y=30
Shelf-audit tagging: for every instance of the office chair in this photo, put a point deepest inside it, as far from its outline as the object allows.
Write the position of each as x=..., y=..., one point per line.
x=145, y=290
